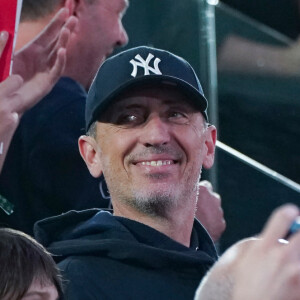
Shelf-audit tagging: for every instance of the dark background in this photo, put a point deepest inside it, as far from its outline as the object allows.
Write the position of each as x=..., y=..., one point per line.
x=282, y=15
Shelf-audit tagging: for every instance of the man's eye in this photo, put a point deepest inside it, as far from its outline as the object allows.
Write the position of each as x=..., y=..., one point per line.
x=130, y=118
x=178, y=117
x=176, y=114
x=127, y=119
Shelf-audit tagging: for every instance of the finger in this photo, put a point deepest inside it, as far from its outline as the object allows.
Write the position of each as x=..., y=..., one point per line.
x=3, y=41
x=51, y=31
x=206, y=184
x=71, y=23
x=27, y=96
x=292, y=251
x=294, y=242
x=61, y=43
x=10, y=85
x=46, y=40
x=58, y=67
x=217, y=196
x=279, y=223
x=63, y=38
x=37, y=87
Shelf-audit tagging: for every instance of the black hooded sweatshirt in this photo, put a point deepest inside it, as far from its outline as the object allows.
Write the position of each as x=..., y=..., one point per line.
x=107, y=257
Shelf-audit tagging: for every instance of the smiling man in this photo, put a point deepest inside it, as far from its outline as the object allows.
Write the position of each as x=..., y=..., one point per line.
x=148, y=133
x=151, y=145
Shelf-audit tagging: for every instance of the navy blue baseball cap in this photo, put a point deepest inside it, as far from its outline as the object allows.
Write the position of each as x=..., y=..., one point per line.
x=139, y=66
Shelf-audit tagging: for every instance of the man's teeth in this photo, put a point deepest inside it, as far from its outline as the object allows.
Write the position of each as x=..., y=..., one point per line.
x=155, y=163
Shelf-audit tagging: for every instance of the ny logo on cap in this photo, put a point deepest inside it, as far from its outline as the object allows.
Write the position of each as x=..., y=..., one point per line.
x=145, y=64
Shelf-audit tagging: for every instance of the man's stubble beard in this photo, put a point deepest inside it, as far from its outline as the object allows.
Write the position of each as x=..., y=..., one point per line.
x=157, y=204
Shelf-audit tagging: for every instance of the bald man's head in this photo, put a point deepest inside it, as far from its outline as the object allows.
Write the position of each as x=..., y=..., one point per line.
x=218, y=284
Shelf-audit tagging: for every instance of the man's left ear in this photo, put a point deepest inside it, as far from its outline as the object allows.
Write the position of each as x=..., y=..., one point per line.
x=88, y=150
x=210, y=143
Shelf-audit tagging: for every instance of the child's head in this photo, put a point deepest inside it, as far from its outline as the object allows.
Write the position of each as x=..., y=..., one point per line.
x=27, y=270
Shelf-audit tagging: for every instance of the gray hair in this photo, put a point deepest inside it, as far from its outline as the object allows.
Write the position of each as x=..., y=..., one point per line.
x=92, y=131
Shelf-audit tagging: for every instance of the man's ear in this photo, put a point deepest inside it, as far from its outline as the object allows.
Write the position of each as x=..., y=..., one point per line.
x=211, y=138
x=76, y=7
x=88, y=150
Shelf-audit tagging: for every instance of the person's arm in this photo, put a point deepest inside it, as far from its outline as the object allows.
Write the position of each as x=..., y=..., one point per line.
x=38, y=65
x=238, y=54
x=209, y=210
x=262, y=268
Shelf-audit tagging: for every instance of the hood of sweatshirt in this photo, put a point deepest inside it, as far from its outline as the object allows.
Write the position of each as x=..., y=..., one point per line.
x=96, y=232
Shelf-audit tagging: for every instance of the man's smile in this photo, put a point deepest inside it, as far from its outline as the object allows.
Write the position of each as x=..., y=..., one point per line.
x=156, y=167
x=157, y=162
x=154, y=163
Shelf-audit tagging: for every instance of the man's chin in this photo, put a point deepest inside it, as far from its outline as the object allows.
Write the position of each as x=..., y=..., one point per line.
x=156, y=204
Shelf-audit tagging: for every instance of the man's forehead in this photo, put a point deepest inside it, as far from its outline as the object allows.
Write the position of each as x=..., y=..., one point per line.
x=124, y=4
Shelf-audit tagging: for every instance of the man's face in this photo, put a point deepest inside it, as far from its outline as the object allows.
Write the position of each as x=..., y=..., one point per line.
x=100, y=30
x=151, y=146
x=104, y=23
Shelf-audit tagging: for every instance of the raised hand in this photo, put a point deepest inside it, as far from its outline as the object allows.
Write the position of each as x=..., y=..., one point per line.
x=209, y=210
x=258, y=268
x=38, y=65
x=41, y=62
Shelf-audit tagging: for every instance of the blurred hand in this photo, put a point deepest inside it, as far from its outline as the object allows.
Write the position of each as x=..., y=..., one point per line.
x=209, y=210
x=260, y=268
x=268, y=269
x=238, y=54
x=40, y=64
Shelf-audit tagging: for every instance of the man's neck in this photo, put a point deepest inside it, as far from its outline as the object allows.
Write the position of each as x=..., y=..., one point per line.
x=177, y=226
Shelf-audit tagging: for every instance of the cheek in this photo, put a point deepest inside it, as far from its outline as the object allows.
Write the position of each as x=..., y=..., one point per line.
x=195, y=150
x=115, y=144
x=106, y=25
x=191, y=139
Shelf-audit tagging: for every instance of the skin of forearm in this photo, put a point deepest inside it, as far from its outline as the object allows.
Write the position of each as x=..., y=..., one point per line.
x=241, y=55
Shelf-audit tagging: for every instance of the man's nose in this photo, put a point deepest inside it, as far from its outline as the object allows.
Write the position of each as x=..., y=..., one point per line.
x=155, y=132
x=123, y=37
